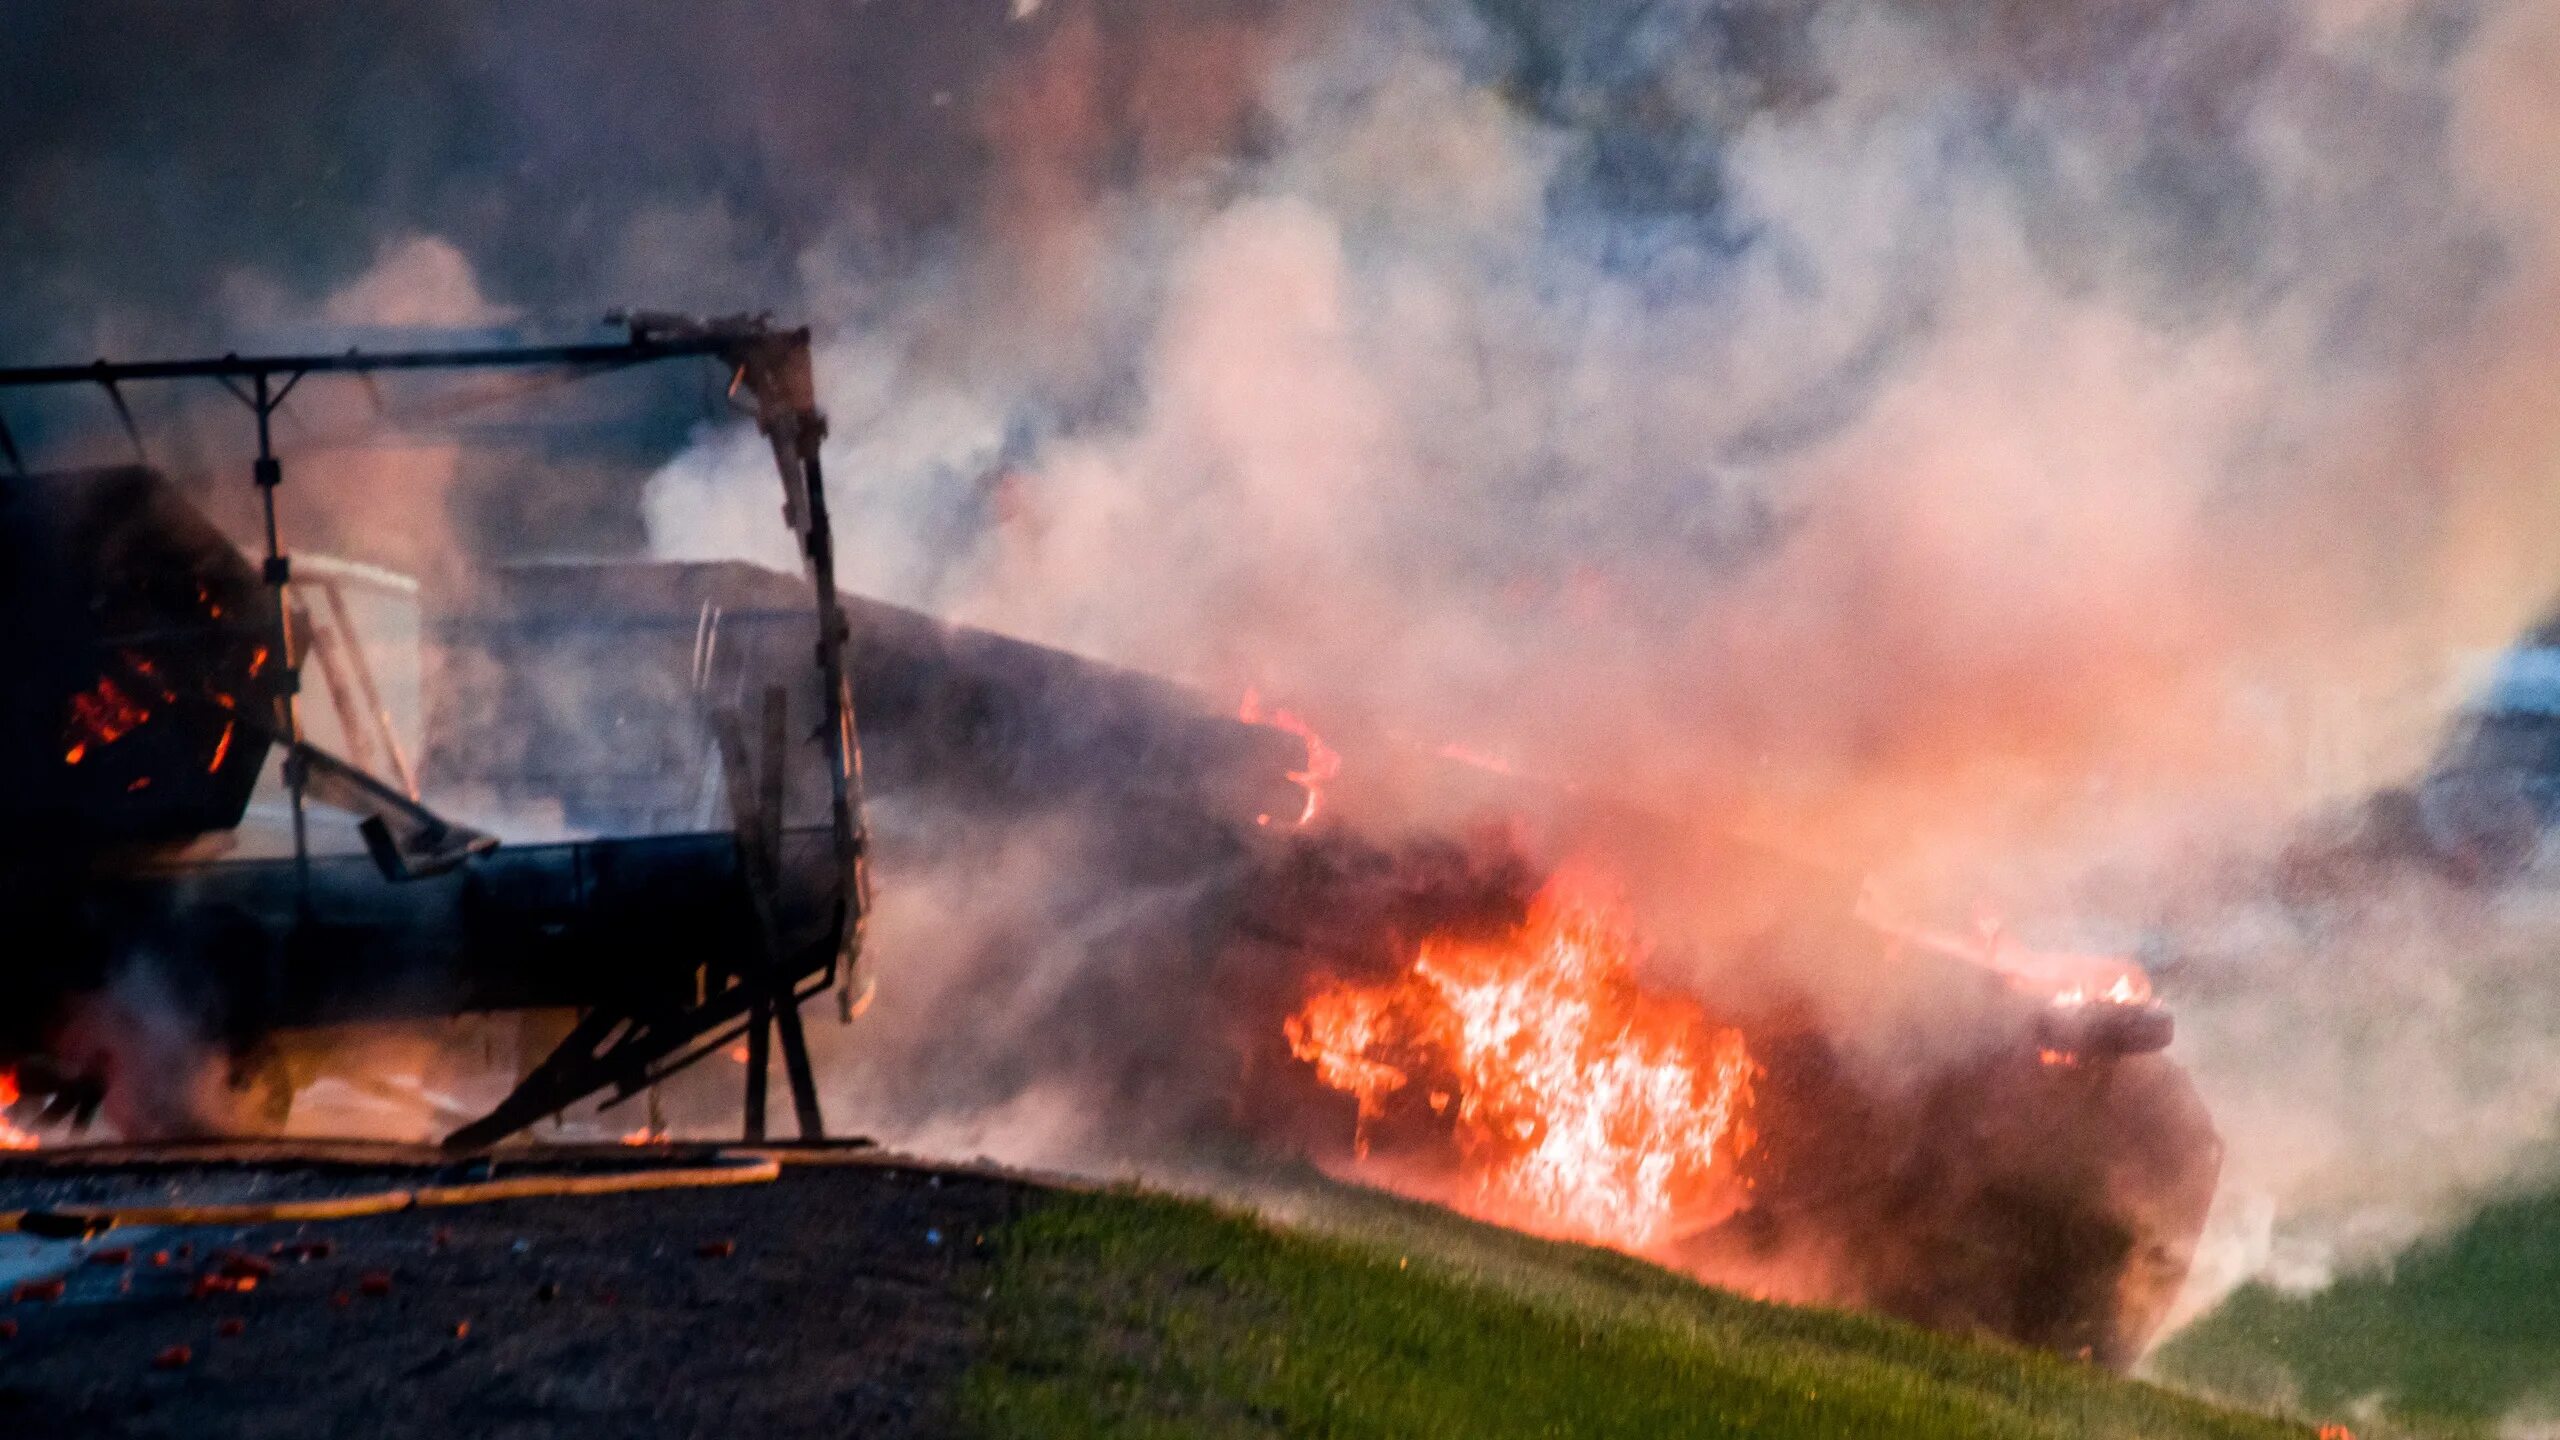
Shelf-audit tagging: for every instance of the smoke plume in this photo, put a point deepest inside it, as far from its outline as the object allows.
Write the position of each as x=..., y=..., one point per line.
x=2036, y=453
x=2025, y=452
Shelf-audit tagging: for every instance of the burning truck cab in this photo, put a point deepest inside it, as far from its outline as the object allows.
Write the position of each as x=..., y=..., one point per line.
x=1831, y=1104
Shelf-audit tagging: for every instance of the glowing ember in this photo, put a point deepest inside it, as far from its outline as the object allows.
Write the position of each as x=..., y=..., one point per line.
x=644, y=1136
x=100, y=715
x=1584, y=1104
x=11, y=1137
x=145, y=670
x=1323, y=763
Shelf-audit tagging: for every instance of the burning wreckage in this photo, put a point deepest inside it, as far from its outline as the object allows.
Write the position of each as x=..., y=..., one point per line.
x=1430, y=1014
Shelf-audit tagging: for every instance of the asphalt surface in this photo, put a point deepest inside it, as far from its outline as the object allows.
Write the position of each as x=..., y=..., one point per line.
x=836, y=1301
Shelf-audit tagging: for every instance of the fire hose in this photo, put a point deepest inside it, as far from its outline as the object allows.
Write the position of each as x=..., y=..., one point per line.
x=66, y=1224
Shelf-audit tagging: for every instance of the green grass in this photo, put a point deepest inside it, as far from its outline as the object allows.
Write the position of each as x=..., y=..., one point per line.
x=1130, y=1314
x=2452, y=1337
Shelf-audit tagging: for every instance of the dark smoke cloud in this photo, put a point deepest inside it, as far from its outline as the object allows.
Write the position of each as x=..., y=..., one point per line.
x=150, y=152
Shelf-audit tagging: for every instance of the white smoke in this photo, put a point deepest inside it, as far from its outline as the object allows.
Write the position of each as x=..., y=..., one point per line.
x=2035, y=421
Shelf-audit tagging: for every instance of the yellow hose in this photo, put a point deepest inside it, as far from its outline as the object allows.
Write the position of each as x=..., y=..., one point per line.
x=385, y=1202
x=754, y=1172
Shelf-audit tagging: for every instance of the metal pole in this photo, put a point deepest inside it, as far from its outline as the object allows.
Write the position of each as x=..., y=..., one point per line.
x=844, y=746
x=844, y=759
x=759, y=1063
x=269, y=474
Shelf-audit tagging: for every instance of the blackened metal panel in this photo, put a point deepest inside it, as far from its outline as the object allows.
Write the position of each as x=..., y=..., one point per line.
x=139, y=657
x=622, y=923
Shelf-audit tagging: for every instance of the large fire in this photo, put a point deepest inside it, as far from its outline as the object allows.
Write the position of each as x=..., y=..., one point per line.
x=1584, y=1104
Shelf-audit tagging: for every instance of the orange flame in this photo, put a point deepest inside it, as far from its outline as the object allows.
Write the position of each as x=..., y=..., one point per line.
x=1323, y=761
x=11, y=1137
x=1585, y=1105
x=101, y=715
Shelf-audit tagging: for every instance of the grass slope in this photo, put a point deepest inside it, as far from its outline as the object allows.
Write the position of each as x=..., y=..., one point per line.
x=1136, y=1315
x=2453, y=1337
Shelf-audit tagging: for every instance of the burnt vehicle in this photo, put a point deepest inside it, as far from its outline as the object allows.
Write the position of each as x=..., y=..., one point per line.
x=162, y=670
x=669, y=749
x=1971, y=1135
x=633, y=797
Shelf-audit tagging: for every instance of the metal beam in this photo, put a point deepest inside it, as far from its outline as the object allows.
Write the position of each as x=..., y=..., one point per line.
x=639, y=350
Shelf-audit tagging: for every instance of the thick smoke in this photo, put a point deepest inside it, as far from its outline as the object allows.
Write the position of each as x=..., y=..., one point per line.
x=2032, y=452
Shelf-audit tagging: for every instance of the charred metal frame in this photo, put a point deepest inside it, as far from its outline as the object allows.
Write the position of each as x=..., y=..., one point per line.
x=609, y=1049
